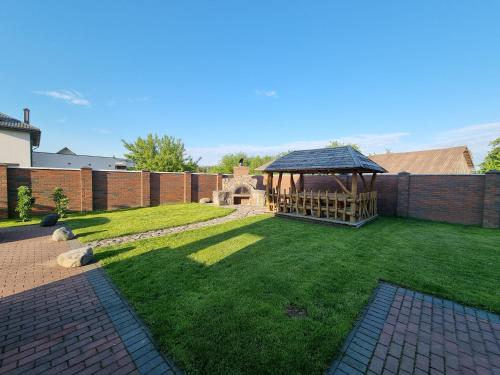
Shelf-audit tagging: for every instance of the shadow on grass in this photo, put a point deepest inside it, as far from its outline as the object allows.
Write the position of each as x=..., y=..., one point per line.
x=85, y=222
x=216, y=298
x=218, y=303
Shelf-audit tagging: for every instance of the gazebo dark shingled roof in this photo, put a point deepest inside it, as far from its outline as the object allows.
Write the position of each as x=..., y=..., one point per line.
x=9, y=123
x=336, y=159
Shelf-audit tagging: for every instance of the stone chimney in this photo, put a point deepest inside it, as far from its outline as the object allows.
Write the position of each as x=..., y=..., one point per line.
x=240, y=170
x=27, y=115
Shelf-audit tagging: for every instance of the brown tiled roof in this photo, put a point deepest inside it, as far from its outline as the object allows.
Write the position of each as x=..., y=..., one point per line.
x=453, y=160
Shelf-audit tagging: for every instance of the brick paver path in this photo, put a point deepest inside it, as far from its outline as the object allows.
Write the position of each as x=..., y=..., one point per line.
x=405, y=332
x=55, y=320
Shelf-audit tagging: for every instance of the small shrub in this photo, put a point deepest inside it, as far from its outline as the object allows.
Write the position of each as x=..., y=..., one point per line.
x=25, y=202
x=61, y=201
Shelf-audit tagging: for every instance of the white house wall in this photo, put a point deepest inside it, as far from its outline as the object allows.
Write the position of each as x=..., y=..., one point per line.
x=15, y=148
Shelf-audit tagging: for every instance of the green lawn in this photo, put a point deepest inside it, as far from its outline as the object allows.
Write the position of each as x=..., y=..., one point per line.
x=108, y=224
x=215, y=298
x=5, y=223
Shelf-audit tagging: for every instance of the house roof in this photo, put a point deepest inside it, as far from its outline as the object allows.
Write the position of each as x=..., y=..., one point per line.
x=333, y=159
x=65, y=151
x=452, y=160
x=10, y=123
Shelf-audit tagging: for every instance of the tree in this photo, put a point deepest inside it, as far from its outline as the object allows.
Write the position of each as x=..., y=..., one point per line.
x=165, y=154
x=336, y=143
x=25, y=202
x=61, y=201
x=492, y=160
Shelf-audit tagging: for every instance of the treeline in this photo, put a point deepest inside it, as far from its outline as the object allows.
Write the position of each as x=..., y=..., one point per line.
x=229, y=161
x=168, y=154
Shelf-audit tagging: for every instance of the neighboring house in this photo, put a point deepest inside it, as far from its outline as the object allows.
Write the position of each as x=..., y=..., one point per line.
x=452, y=160
x=17, y=140
x=65, y=158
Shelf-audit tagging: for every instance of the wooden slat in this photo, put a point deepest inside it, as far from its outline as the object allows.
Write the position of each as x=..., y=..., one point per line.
x=354, y=192
x=296, y=201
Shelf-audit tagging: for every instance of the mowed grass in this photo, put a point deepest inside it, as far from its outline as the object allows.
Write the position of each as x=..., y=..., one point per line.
x=108, y=224
x=6, y=223
x=216, y=298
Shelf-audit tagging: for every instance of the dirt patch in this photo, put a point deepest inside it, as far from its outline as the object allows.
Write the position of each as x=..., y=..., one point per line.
x=294, y=311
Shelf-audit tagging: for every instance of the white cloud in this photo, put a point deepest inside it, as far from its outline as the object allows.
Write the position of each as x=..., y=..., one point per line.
x=475, y=137
x=369, y=143
x=267, y=93
x=68, y=96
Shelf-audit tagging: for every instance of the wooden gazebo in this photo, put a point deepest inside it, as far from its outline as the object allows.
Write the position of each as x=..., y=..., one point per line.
x=342, y=205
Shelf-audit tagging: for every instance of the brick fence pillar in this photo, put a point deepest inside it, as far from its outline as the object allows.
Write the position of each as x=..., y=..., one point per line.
x=86, y=203
x=403, y=194
x=219, y=182
x=4, y=198
x=187, y=187
x=145, y=189
x=491, y=204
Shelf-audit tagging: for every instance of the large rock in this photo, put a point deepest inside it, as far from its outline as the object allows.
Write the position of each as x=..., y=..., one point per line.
x=49, y=220
x=62, y=234
x=205, y=200
x=76, y=258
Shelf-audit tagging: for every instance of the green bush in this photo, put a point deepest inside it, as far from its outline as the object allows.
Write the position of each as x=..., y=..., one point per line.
x=61, y=201
x=25, y=202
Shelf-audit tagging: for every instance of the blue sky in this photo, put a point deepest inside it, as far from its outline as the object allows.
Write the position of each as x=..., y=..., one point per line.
x=257, y=76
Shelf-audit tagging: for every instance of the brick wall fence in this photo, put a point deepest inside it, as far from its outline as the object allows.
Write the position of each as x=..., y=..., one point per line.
x=465, y=199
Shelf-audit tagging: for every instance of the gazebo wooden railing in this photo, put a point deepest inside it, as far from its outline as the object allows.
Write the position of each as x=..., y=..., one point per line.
x=345, y=205
x=336, y=207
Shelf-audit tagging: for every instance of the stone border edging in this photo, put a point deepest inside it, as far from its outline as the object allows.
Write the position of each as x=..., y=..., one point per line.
x=136, y=337
x=239, y=213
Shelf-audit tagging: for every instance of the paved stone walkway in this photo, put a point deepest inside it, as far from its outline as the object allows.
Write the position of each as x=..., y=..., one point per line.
x=405, y=332
x=239, y=213
x=55, y=320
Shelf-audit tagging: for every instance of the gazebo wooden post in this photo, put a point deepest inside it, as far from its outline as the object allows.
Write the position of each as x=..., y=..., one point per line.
x=354, y=193
x=278, y=191
x=301, y=182
x=269, y=190
x=292, y=183
x=372, y=182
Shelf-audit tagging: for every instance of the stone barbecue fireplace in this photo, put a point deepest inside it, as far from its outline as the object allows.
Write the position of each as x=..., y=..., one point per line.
x=241, y=188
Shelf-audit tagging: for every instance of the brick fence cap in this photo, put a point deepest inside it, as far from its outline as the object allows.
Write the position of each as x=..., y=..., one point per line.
x=494, y=171
x=404, y=173
x=85, y=168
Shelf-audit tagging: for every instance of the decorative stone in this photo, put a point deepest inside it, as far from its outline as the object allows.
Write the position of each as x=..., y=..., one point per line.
x=49, y=220
x=62, y=234
x=205, y=200
x=240, y=187
x=76, y=258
